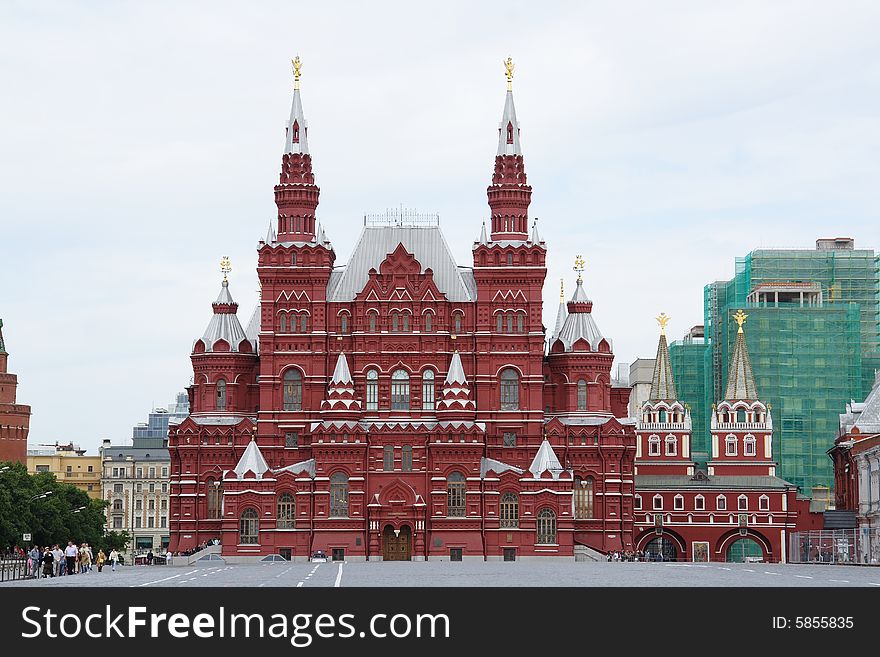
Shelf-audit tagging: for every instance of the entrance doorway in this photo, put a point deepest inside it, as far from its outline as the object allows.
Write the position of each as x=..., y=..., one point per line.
x=396, y=544
x=744, y=550
x=661, y=549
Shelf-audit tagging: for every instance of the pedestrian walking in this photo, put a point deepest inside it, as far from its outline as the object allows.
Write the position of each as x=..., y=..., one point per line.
x=34, y=561
x=48, y=558
x=85, y=558
x=58, y=556
x=114, y=558
x=70, y=556
x=100, y=559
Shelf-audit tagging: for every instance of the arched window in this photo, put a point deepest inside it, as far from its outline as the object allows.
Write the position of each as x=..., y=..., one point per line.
x=740, y=415
x=286, y=511
x=221, y=395
x=730, y=446
x=678, y=502
x=293, y=259
x=388, y=458
x=509, y=511
x=456, y=320
x=373, y=320
x=214, y=495
x=510, y=322
x=509, y=258
x=400, y=390
x=500, y=321
x=292, y=322
x=721, y=503
x=654, y=446
x=583, y=498
x=699, y=503
x=429, y=322
x=405, y=322
x=582, y=395
x=249, y=528
x=372, y=390
x=293, y=392
x=304, y=323
x=742, y=503
x=662, y=416
x=343, y=323
x=509, y=390
x=406, y=460
x=547, y=527
x=637, y=503
x=521, y=322
x=428, y=390
x=749, y=445
x=671, y=445
x=339, y=495
x=395, y=322
x=283, y=320
x=658, y=502
x=455, y=487
x=763, y=503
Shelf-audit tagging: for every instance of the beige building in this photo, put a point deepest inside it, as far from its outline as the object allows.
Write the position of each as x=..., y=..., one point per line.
x=70, y=465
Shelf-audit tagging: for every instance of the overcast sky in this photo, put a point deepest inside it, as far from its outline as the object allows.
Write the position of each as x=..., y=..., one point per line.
x=141, y=142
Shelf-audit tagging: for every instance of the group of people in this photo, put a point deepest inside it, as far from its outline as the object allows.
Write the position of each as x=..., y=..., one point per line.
x=637, y=555
x=193, y=550
x=56, y=561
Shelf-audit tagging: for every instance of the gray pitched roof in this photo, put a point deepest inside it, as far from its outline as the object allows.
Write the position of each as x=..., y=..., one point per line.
x=662, y=382
x=869, y=418
x=509, y=116
x=296, y=115
x=224, y=325
x=425, y=243
x=497, y=467
x=740, y=379
x=545, y=460
x=580, y=324
x=295, y=468
x=341, y=374
x=251, y=461
x=456, y=372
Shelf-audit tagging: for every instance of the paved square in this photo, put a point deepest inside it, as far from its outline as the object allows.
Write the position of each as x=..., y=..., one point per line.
x=469, y=573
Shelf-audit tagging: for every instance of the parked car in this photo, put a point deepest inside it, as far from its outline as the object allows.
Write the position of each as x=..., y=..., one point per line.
x=319, y=557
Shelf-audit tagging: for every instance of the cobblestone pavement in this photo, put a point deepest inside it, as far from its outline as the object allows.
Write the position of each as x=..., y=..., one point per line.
x=470, y=573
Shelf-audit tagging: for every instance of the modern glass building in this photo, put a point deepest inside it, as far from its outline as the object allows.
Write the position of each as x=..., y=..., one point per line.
x=154, y=432
x=687, y=357
x=814, y=339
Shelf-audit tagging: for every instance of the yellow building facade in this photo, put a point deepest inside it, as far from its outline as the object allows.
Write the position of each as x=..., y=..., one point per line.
x=70, y=466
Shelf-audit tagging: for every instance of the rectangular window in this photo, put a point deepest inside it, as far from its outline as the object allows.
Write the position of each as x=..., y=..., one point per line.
x=152, y=473
x=152, y=488
x=455, y=554
x=721, y=504
x=372, y=393
x=42, y=468
x=699, y=503
x=428, y=393
x=137, y=523
x=291, y=439
x=151, y=521
x=510, y=439
x=163, y=505
x=117, y=488
x=510, y=554
x=117, y=523
x=163, y=522
x=678, y=503
x=165, y=470
x=742, y=504
x=338, y=554
x=407, y=461
x=138, y=505
x=637, y=502
x=658, y=502
x=151, y=505
x=115, y=472
x=139, y=473
x=388, y=458
x=164, y=488
x=69, y=469
x=138, y=488
x=91, y=468
x=764, y=504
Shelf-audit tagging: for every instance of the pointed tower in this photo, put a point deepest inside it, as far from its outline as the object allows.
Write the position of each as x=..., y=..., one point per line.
x=296, y=194
x=741, y=425
x=224, y=360
x=664, y=428
x=14, y=418
x=341, y=403
x=509, y=194
x=455, y=398
x=561, y=313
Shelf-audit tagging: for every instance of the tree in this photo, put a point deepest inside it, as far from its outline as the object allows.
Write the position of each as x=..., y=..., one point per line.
x=50, y=511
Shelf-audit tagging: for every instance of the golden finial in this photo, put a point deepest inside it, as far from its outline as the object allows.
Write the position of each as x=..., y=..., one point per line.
x=225, y=266
x=561, y=290
x=740, y=319
x=297, y=71
x=579, y=267
x=663, y=320
x=508, y=67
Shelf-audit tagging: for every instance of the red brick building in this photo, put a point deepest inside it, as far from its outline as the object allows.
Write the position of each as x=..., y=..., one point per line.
x=400, y=405
x=725, y=506
x=14, y=418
